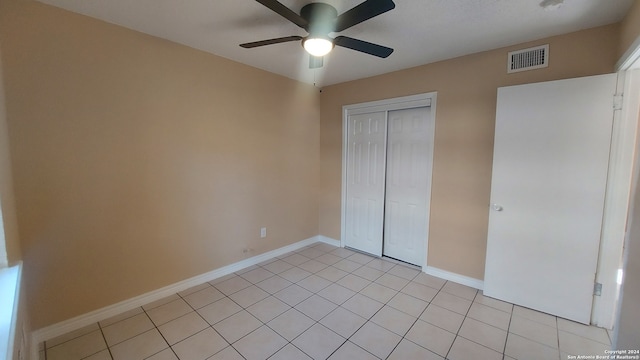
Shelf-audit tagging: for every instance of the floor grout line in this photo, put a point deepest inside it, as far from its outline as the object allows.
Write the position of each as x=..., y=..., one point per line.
x=105, y=340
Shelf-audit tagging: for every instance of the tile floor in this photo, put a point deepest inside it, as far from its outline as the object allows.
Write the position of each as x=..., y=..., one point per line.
x=323, y=302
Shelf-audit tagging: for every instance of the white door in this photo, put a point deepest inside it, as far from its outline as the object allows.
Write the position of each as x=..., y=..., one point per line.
x=550, y=164
x=365, y=182
x=407, y=184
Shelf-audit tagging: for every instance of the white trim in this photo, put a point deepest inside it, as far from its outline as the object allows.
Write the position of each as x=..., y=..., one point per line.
x=330, y=241
x=619, y=183
x=628, y=65
x=404, y=102
x=432, y=129
x=457, y=278
x=632, y=80
x=104, y=313
x=616, y=206
x=631, y=58
x=9, y=302
x=343, y=188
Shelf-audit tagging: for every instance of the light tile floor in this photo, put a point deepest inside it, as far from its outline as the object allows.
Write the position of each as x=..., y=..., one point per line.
x=323, y=302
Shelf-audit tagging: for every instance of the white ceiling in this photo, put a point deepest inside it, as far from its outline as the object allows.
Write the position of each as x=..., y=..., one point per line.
x=420, y=31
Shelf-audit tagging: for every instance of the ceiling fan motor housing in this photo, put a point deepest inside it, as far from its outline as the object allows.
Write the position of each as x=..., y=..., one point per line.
x=321, y=18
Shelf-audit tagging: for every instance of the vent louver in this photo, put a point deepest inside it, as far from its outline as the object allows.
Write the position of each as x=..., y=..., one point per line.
x=528, y=59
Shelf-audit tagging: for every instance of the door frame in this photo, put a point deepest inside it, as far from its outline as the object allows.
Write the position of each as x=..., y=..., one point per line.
x=386, y=105
x=619, y=186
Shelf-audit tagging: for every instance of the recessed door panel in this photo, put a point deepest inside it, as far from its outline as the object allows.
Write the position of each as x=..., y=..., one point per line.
x=365, y=182
x=408, y=184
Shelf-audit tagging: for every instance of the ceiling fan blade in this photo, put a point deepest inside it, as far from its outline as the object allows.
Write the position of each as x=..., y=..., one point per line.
x=285, y=12
x=270, y=41
x=362, y=12
x=363, y=46
x=315, y=61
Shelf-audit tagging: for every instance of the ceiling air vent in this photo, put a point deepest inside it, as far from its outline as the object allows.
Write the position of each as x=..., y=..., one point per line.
x=528, y=59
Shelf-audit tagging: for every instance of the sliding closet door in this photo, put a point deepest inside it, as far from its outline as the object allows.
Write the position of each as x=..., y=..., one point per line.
x=365, y=181
x=408, y=184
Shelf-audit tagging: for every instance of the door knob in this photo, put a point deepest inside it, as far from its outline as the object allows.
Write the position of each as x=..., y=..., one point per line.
x=496, y=207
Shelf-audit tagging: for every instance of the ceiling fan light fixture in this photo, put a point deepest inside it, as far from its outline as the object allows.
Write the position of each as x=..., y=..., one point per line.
x=320, y=19
x=317, y=46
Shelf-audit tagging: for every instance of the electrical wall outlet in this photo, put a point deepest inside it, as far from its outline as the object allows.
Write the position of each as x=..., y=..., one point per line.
x=263, y=232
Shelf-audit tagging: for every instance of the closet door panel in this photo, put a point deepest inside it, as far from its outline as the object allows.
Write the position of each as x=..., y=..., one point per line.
x=408, y=183
x=366, y=158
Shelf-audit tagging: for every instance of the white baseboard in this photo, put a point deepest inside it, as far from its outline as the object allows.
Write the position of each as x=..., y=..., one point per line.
x=328, y=240
x=457, y=278
x=78, y=322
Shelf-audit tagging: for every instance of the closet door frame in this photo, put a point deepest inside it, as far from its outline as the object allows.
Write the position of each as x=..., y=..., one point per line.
x=405, y=102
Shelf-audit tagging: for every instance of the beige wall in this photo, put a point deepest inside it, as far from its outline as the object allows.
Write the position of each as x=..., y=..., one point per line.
x=7, y=200
x=9, y=224
x=464, y=132
x=629, y=28
x=139, y=162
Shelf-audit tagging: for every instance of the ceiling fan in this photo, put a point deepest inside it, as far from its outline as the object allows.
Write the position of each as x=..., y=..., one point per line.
x=320, y=19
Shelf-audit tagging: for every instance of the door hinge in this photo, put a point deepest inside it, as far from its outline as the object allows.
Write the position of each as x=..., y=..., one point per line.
x=617, y=102
x=597, y=289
